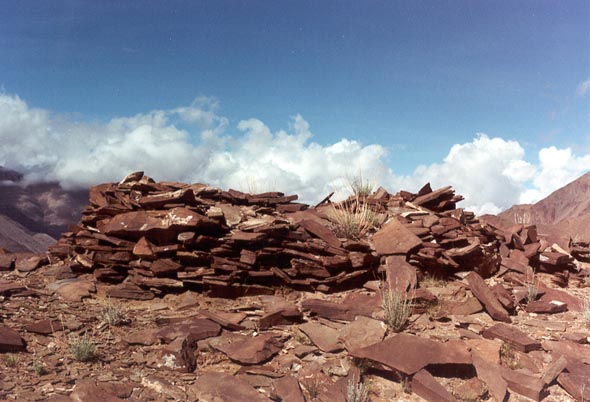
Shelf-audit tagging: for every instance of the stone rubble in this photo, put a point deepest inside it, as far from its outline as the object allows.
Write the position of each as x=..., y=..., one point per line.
x=235, y=297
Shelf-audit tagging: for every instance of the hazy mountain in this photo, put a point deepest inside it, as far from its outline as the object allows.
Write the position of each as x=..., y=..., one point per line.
x=29, y=210
x=566, y=210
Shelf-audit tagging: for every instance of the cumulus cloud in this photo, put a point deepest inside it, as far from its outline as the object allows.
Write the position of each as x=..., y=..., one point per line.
x=189, y=143
x=583, y=88
x=492, y=173
x=195, y=144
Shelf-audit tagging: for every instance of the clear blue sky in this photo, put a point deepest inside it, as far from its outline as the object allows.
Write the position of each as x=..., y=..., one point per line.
x=416, y=76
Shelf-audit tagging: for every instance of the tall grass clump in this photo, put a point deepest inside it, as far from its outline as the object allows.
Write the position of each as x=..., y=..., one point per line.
x=352, y=218
x=356, y=391
x=83, y=348
x=397, y=308
x=360, y=187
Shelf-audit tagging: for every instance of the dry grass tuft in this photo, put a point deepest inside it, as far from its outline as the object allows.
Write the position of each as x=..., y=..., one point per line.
x=356, y=391
x=353, y=218
x=397, y=308
x=83, y=348
x=112, y=314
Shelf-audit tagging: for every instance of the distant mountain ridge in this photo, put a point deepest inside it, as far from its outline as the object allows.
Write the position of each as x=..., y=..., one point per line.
x=32, y=216
x=566, y=210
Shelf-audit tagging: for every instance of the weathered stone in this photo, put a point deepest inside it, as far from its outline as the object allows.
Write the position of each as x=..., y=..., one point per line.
x=485, y=295
x=491, y=375
x=129, y=291
x=524, y=384
x=155, y=224
x=324, y=337
x=320, y=231
x=223, y=387
x=471, y=390
x=401, y=276
x=409, y=353
x=248, y=350
x=512, y=336
x=144, y=249
x=570, y=350
x=394, y=238
x=165, y=267
x=545, y=307
x=328, y=309
x=29, y=263
x=7, y=262
x=163, y=387
x=91, y=391
x=466, y=307
x=554, y=369
x=425, y=386
x=10, y=340
x=195, y=328
x=45, y=327
x=75, y=291
x=576, y=385
x=362, y=332
x=287, y=389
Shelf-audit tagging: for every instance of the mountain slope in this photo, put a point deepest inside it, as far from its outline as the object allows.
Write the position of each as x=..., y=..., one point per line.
x=566, y=210
x=570, y=201
x=33, y=215
x=16, y=238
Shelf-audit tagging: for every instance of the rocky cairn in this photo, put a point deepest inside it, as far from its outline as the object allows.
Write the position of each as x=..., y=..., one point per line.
x=300, y=291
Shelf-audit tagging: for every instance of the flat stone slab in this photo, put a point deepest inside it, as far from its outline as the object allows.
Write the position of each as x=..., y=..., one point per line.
x=491, y=375
x=328, y=309
x=485, y=295
x=545, y=307
x=45, y=327
x=401, y=276
x=324, y=337
x=570, y=350
x=320, y=231
x=394, y=238
x=10, y=340
x=247, y=349
x=222, y=387
x=513, y=336
x=362, y=332
x=410, y=353
x=524, y=384
x=576, y=385
x=288, y=390
x=426, y=386
x=196, y=329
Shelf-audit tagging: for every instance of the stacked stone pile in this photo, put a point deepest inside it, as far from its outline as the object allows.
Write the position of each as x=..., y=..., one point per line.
x=170, y=236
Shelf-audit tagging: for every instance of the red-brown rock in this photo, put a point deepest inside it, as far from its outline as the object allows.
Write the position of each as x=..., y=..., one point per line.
x=394, y=238
x=324, y=337
x=425, y=386
x=288, y=390
x=248, y=350
x=223, y=387
x=485, y=295
x=409, y=353
x=512, y=336
x=10, y=340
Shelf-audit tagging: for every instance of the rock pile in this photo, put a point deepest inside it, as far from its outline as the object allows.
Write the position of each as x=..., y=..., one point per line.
x=150, y=237
x=494, y=326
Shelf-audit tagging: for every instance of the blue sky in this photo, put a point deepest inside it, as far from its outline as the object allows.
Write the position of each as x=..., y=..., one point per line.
x=415, y=77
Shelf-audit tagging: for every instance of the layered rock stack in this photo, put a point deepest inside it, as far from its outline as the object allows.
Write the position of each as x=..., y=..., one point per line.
x=153, y=237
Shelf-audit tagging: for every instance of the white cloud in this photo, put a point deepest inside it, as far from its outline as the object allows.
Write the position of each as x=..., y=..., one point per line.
x=583, y=88
x=492, y=174
x=195, y=144
x=78, y=154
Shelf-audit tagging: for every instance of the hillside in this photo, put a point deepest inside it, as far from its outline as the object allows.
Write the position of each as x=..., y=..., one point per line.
x=566, y=211
x=42, y=208
x=16, y=238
